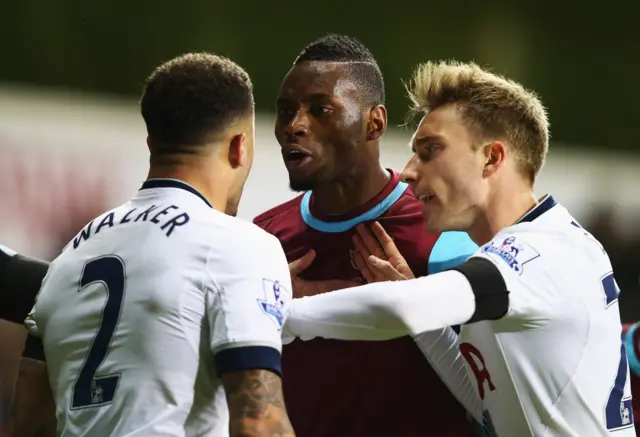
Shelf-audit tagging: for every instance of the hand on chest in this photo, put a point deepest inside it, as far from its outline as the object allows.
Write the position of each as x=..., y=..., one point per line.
x=334, y=257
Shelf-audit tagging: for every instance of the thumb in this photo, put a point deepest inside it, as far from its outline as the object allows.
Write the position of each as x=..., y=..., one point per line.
x=301, y=264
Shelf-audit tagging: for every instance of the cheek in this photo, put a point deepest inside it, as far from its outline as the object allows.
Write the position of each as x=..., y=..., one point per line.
x=457, y=180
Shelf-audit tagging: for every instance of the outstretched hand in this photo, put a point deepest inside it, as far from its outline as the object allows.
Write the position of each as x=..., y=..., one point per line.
x=301, y=264
x=377, y=256
x=303, y=287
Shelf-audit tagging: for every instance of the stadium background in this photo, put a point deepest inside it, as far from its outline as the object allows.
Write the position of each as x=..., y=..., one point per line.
x=72, y=142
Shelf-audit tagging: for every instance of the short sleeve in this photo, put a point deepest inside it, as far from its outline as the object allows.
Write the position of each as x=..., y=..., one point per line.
x=248, y=303
x=532, y=297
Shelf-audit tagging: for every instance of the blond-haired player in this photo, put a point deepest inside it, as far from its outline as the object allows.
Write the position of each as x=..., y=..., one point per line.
x=538, y=301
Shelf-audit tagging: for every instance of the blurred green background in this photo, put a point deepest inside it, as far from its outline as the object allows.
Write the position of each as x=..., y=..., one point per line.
x=581, y=57
x=69, y=155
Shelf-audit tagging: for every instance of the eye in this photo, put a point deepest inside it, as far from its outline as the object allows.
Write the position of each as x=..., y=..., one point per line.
x=429, y=151
x=433, y=148
x=318, y=110
x=285, y=112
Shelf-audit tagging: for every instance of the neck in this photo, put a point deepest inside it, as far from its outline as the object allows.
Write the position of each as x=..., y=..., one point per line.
x=198, y=176
x=341, y=196
x=501, y=211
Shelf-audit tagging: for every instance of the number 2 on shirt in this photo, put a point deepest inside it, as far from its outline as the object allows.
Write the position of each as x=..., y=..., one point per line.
x=90, y=390
x=618, y=411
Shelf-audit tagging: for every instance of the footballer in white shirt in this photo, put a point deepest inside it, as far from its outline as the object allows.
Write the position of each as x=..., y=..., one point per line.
x=163, y=316
x=538, y=302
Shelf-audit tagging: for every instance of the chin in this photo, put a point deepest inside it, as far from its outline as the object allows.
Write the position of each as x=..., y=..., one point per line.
x=435, y=228
x=300, y=185
x=438, y=224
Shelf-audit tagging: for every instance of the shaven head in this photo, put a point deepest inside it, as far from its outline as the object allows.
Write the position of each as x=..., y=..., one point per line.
x=189, y=101
x=358, y=60
x=330, y=113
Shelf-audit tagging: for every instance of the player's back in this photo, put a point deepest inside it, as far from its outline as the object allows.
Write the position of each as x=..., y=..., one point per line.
x=554, y=364
x=122, y=313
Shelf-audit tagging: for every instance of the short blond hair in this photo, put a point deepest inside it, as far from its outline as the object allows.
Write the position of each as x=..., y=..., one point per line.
x=494, y=106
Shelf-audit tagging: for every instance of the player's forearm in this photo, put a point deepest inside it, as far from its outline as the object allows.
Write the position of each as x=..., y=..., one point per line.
x=441, y=349
x=385, y=310
x=20, y=280
x=256, y=404
x=33, y=412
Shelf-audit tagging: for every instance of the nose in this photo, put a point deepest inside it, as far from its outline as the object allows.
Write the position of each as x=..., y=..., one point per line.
x=410, y=174
x=299, y=125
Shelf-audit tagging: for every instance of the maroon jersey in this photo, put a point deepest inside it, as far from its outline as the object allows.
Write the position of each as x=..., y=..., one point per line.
x=365, y=389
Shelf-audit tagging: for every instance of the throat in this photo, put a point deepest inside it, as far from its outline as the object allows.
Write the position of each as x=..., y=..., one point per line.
x=344, y=195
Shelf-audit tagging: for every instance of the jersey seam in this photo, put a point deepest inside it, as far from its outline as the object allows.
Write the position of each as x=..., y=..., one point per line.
x=506, y=362
x=553, y=405
x=215, y=288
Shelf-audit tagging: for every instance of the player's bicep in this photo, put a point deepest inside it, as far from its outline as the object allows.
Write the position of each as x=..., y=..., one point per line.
x=256, y=404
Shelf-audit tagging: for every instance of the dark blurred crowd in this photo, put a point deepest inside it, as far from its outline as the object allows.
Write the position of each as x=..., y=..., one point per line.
x=624, y=251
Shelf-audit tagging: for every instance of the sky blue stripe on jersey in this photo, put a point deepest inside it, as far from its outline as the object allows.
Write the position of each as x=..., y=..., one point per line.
x=335, y=227
x=247, y=358
x=450, y=250
x=634, y=360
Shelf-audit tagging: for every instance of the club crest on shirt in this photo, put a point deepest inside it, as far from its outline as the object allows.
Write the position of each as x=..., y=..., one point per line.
x=273, y=304
x=515, y=253
x=352, y=258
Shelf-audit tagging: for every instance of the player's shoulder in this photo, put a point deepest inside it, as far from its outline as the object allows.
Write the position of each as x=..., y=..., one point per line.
x=284, y=209
x=238, y=231
x=515, y=247
x=241, y=246
x=547, y=247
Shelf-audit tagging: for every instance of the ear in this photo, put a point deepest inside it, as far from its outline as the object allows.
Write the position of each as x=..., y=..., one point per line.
x=237, y=152
x=149, y=142
x=377, y=122
x=494, y=157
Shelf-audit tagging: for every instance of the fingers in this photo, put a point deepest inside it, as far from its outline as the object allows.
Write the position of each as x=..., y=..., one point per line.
x=385, y=269
x=361, y=264
x=370, y=241
x=301, y=264
x=384, y=240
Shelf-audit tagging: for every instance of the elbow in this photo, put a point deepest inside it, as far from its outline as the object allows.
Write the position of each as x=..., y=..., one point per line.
x=391, y=315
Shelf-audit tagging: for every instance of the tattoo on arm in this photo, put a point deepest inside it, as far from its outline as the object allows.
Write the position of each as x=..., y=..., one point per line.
x=256, y=404
x=33, y=412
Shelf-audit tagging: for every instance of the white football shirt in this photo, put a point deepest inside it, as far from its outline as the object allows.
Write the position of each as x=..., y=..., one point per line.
x=148, y=305
x=555, y=364
x=546, y=355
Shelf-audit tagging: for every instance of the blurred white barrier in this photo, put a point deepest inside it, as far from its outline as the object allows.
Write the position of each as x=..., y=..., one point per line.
x=66, y=157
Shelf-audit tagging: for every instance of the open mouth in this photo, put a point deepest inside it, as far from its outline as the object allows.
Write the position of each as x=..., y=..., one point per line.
x=295, y=156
